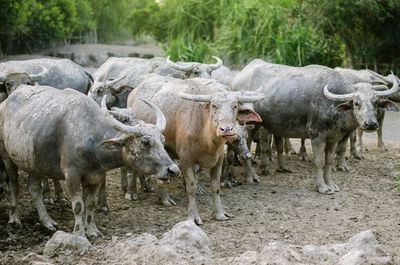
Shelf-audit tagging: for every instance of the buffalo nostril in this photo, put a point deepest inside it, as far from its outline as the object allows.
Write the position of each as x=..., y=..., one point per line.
x=173, y=170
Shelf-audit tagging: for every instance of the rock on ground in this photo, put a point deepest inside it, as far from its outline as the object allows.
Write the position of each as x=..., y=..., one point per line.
x=62, y=241
x=362, y=249
x=34, y=259
x=185, y=243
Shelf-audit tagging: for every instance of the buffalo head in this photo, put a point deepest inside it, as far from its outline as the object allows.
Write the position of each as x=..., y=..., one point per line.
x=364, y=103
x=142, y=145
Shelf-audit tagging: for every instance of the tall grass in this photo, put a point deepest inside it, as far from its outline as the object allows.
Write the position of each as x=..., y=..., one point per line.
x=239, y=31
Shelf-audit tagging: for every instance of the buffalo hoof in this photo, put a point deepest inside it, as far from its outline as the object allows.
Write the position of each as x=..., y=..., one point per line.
x=324, y=189
x=14, y=220
x=201, y=191
x=63, y=201
x=253, y=179
x=363, y=150
x=226, y=184
x=131, y=197
x=168, y=202
x=356, y=155
x=93, y=232
x=104, y=209
x=48, y=201
x=221, y=216
x=343, y=168
x=333, y=187
x=196, y=218
x=284, y=170
x=383, y=149
x=148, y=189
x=49, y=224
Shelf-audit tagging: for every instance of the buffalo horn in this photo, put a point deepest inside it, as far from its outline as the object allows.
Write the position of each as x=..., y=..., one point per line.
x=219, y=63
x=130, y=130
x=179, y=67
x=383, y=78
x=394, y=88
x=380, y=87
x=197, y=98
x=344, y=97
x=161, y=121
x=111, y=83
x=250, y=99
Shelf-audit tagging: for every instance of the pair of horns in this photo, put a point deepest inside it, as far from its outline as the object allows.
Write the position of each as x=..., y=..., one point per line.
x=347, y=97
x=133, y=130
x=190, y=67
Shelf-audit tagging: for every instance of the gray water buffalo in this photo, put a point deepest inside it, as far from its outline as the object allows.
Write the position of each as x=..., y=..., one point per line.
x=63, y=134
x=58, y=73
x=118, y=76
x=201, y=118
x=381, y=83
x=314, y=102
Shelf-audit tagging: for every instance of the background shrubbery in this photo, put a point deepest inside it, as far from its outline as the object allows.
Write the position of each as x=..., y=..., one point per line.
x=359, y=34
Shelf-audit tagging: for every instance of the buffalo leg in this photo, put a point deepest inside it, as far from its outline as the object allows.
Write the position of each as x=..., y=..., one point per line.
x=35, y=189
x=279, y=150
x=46, y=192
x=12, y=172
x=191, y=189
x=303, y=151
x=330, y=150
x=353, y=149
x=59, y=192
x=265, y=150
x=164, y=197
x=288, y=147
x=3, y=181
x=89, y=192
x=341, y=151
x=318, y=147
x=251, y=175
x=227, y=170
x=103, y=194
x=124, y=178
x=220, y=214
x=144, y=184
x=78, y=207
x=360, y=141
x=380, y=118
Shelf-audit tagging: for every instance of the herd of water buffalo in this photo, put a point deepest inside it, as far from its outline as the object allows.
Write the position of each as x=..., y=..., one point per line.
x=157, y=117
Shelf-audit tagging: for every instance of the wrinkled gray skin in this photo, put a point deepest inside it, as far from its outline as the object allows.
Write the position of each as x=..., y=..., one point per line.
x=64, y=135
x=61, y=73
x=298, y=104
x=198, y=126
x=223, y=75
x=134, y=70
x=368, y=76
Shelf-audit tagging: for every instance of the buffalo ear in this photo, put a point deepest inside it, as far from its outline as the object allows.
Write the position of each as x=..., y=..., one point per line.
x=343, y=107
x=248, y=115
x=115, y=142
x=388, y=105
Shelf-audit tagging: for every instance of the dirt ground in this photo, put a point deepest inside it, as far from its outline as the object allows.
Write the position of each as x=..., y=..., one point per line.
x=283, y=207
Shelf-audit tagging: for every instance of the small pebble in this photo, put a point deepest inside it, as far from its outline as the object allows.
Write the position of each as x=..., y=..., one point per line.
x=128, y=234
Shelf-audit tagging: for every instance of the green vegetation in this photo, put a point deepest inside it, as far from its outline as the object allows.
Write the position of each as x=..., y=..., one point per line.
x=294, y=32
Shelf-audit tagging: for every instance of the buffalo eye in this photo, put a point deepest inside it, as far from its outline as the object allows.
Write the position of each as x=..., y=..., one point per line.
x=357, y=104
x=124, y=120
x=99, y=92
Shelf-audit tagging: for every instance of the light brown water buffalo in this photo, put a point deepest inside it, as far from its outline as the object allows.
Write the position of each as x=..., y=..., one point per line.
x=201, y=117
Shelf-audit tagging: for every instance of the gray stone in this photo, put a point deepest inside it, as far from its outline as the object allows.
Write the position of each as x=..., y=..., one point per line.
x=62, y=241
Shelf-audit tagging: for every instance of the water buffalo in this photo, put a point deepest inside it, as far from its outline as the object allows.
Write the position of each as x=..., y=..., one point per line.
x=381, y=83
x=201, y=118
x=58, y=73
x=118, y=76
x=63, y=134
x=314, y=102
